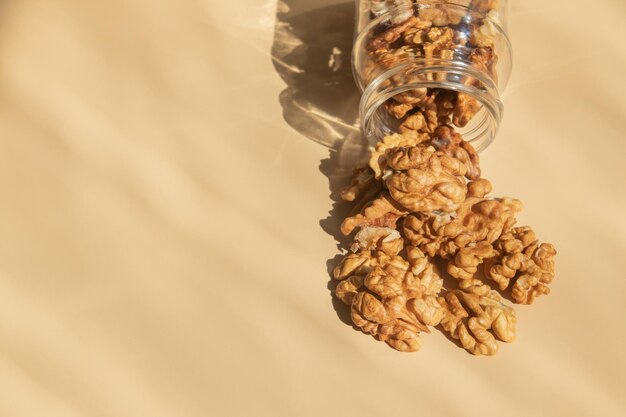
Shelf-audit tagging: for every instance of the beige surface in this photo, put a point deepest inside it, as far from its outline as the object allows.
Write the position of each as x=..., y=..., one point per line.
x=161, y=252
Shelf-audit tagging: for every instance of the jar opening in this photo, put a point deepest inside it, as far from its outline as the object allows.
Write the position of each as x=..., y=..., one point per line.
x=439, y=75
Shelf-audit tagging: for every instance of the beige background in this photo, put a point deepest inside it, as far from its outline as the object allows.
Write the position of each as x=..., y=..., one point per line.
x=161, y=252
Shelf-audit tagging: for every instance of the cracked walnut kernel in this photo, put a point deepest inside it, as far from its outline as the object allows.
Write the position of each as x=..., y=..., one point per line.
x=389, y=297
x=382, y=212
x=426, y=190
x=521, y=258
x=476, y=320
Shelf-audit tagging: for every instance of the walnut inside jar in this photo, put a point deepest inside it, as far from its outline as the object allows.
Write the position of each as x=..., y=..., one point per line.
x=434, y=33
x=521, y=259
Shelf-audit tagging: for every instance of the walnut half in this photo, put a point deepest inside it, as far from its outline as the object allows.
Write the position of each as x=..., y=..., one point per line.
x=475, y=321
x=522, y=259
x=389, y=297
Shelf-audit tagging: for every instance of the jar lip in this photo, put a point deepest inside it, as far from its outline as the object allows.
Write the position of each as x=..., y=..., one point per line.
x=373, y=97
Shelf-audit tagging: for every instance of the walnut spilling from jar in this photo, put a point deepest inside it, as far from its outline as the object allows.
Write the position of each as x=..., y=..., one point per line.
x=377, y=160
x=522, y=259
x=466, y=261
x=476, y=220
x=382, y=212
x=362, y=181
x=390, y=280
x=433, y=187
x=389, y=297
x=476, y=320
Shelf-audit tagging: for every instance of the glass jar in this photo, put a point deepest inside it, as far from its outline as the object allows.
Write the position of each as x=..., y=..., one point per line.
x=425, y=63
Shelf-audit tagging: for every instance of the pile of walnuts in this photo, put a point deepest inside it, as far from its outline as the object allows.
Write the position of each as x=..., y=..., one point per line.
x=428, y=213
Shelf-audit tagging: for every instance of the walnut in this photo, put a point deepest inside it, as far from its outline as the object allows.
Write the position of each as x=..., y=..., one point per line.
x=398, y=109
x=465, y=263
x=415, y=35
x=384, y=239
x=434, y=109
x=396, y=140
x=520, y=257
x=474, y=286
x=479, y=188
x=403, y=9
x=387, y=58
x=362, y=180
x=438, y=107
x=437, y=16
x=465, y=109
x=445, y=139
x=414, y=96
x=419, y=232
x=445, y=101
x=390, y=298
x=362, y=262
x=484, y=35
x=485, y=60
x=389, y=36
x=355, y=266
x=382, y=212
x=477, y=219
x=347, y=289
x=476, y=320
x=434, y=187
x=415, y=157
x=421, y=265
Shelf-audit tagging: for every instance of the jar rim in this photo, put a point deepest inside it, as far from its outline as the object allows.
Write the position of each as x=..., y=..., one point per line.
x=483, y=132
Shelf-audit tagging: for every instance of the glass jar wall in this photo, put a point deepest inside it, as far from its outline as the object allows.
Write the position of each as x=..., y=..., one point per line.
x=424, y=63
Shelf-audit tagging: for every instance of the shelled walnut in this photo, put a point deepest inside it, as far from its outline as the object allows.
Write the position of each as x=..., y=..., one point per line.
x=522, y=259
x=477, y=219
x=382, y=212
x=389, y=297
x=466, y=261
x=442, y=15
x=427, y=189
x=383, y=40
x=397, y=140
x=476, y=320
x=451, y=143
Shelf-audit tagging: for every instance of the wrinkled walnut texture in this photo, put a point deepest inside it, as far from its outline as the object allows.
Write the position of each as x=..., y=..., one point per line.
x=477, y=320
x=390, y=298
